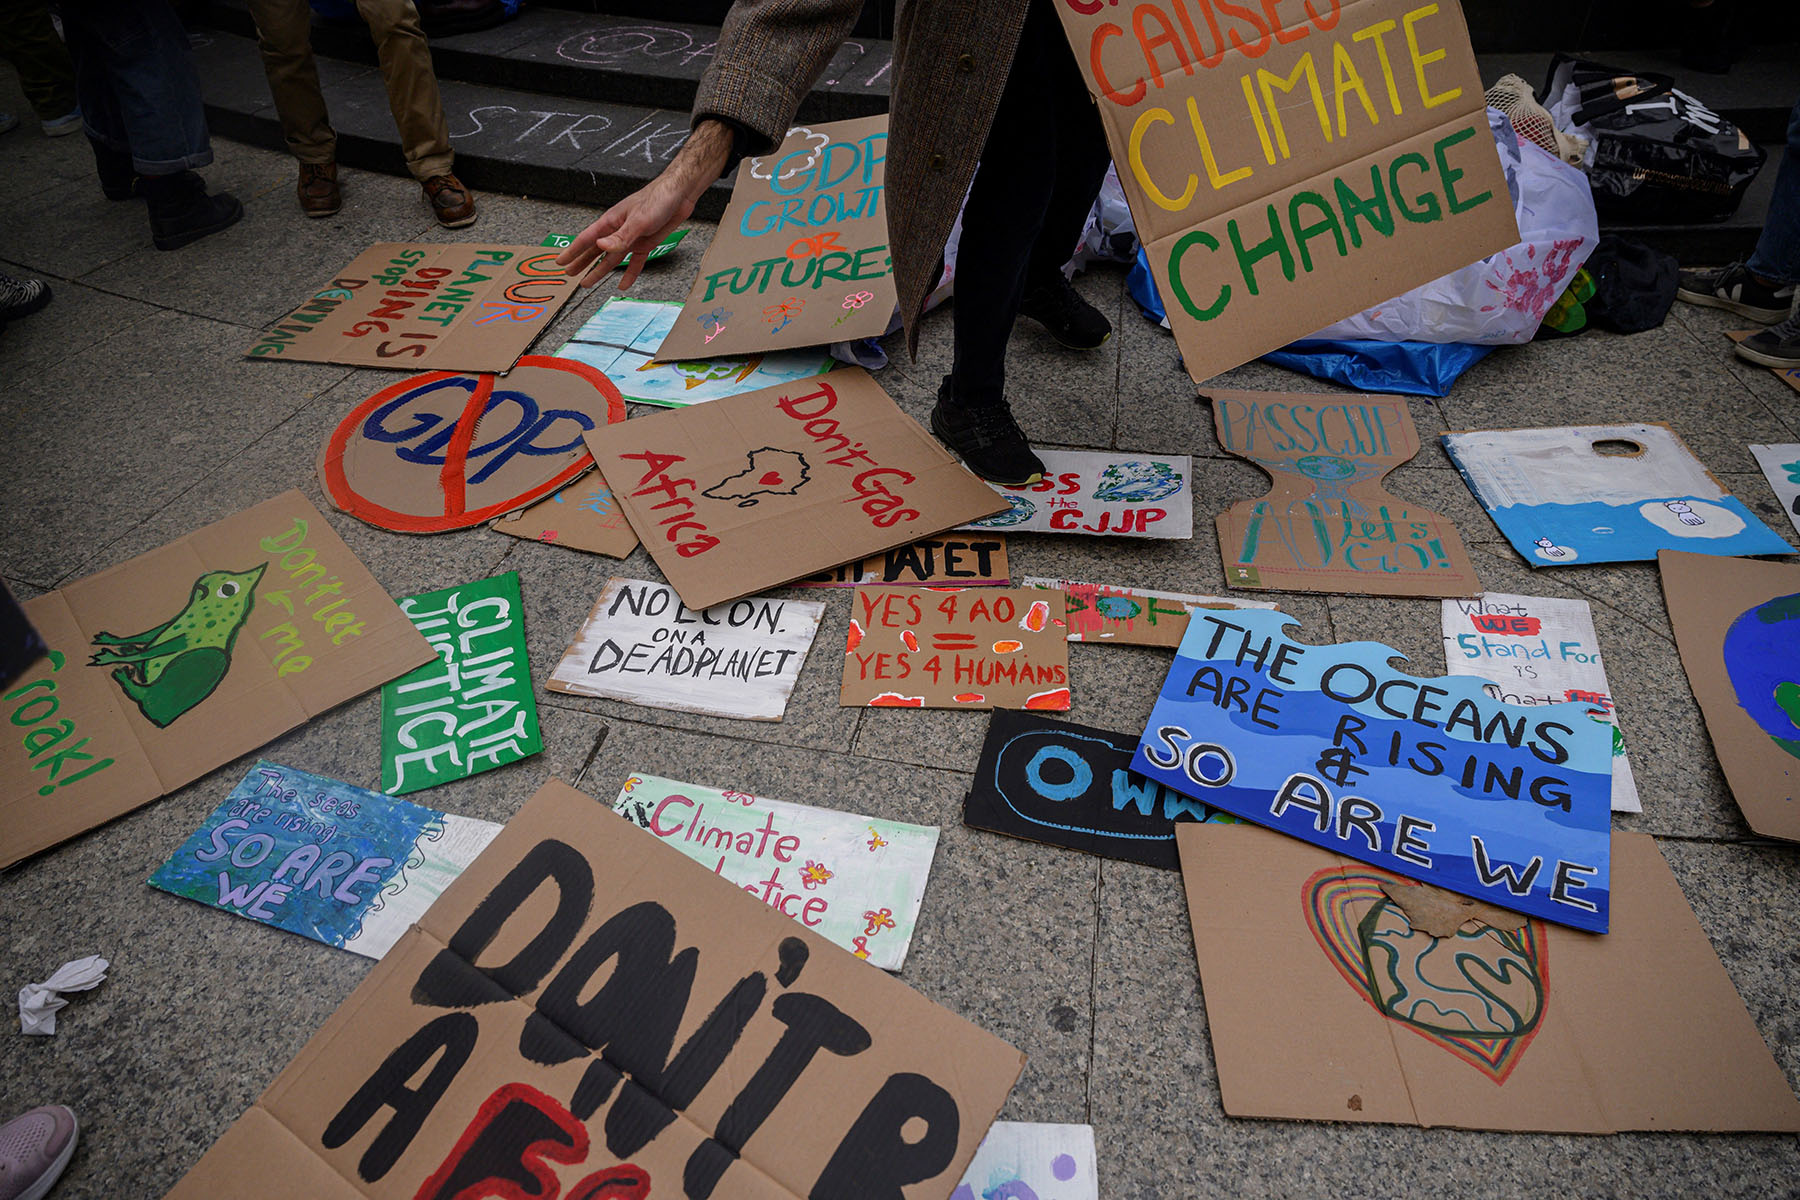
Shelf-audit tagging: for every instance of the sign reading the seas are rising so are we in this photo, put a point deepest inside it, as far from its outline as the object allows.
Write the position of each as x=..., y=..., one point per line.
x=1291, y=162
x=1432, y=778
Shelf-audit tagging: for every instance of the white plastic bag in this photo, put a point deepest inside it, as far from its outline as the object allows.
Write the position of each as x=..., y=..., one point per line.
x=1502, y=299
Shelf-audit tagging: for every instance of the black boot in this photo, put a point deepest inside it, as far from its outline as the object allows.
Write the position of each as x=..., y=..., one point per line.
x=988, y=439
x=118, y=178
x=182, y=212
x=1059, y=308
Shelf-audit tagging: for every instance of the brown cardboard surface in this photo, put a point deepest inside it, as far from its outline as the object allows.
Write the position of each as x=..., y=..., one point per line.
x=582, y=515
x=956, y=648
x=503, y=966
x=318, y=631
x=1615, y=1043
x=422, y=305
x=1707, y=596
x=449, y=450
x=1326, y=523
x=801, y=256
x=952, y=560
x=1103, y=612
x=746, y=493
x=1350, y=144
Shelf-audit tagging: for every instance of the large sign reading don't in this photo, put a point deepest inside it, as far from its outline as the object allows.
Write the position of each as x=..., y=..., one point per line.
x=1291, y=162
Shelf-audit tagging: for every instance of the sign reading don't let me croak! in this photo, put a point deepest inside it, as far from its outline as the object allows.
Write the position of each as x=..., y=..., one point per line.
x=1291, y=162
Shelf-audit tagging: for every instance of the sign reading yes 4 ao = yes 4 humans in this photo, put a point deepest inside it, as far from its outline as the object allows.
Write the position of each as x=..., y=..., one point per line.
x=955, y=648
x=801, y=255
x=1431, y=778
x=858, y=881
x=411, y=305
x=1291, y=162
x=473, y=709
x=587, y=1015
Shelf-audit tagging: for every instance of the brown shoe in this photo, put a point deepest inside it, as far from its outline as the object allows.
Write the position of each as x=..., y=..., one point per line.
x=319, y=193
x=453, y=203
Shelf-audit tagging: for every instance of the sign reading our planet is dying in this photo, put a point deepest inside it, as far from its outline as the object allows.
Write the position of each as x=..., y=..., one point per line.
x=1289, y=163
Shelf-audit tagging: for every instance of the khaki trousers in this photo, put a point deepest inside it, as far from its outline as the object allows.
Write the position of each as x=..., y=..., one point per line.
x=284, y=33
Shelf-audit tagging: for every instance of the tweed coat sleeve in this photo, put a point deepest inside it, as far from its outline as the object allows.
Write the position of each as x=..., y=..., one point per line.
x=769, y=54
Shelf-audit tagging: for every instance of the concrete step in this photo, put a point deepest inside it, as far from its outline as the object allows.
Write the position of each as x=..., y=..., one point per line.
x=600, y=56
x=521, y=143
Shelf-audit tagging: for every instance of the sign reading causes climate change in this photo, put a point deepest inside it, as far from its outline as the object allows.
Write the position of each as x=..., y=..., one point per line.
x=955, y=648
x=642, y=644
x=858, y=881
x=176, y=662
x=801, y=256
x=458, y=307
x=587, y=1015
x=1326, y=523
x=1292, y=162
x=338, y=864
x=445, y=451
x=1135, y=495
x=1432, y=778
x=752, y=491
x=473, y=709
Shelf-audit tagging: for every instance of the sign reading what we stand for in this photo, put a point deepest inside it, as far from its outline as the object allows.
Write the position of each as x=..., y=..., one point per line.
x=1432, y=778
x=1291, y=162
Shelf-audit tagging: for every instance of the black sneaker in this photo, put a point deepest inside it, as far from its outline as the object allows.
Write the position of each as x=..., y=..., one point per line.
x=1735, y=289
x=1777, y=346
x=1058, y=307
x=21, y=297
x=988, y=439
x=182, y=212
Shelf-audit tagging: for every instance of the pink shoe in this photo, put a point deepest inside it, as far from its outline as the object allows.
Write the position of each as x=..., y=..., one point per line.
x=35, y=1148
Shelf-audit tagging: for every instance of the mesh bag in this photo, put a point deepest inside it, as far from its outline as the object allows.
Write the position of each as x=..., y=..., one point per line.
x=1513, y=97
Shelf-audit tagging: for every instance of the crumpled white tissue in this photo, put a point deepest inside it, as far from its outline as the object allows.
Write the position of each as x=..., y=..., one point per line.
x=39, y=1002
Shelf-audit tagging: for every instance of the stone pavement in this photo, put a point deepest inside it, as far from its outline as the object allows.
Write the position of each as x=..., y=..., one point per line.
x=128, y=417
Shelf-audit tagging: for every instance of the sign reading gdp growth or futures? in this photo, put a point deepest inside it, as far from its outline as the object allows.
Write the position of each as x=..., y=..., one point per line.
x=1432, y=778
x=1291, y=162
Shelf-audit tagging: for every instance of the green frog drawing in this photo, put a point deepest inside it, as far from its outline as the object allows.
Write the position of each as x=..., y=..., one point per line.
x=169, y=669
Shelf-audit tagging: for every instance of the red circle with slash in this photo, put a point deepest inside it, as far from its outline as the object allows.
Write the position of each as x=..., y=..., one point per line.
x=592, y=394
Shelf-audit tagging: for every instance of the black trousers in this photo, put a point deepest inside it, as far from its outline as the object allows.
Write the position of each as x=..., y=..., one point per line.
x=1040, y=171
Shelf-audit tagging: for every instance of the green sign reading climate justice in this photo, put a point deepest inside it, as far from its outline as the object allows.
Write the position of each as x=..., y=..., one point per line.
x=473, y=709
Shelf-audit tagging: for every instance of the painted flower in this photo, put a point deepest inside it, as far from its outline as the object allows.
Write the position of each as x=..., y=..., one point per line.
x=815, y=875
x=876, y=841
x=879, y=919
x=858, y=299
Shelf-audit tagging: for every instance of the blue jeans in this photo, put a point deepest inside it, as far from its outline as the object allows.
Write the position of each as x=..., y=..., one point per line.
x=1777, y=254
x=138, y=90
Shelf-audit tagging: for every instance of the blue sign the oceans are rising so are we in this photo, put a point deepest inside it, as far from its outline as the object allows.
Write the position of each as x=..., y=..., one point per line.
x=1431, y=778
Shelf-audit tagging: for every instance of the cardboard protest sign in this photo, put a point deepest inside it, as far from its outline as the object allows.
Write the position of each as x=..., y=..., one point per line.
x=446, y=451
x=1100, y=612
x=1132, y=495
x=1432, y=778
x=755, y=490
x=1737, y=625
x=1023, y=1160
x=968, y=560
x=1340, y=162
x=1071, y=785
x=1346, y=993
x=857, y=881
x=583, y=515
x=1781, y=467
x=603, y=1018
x=662, y=249
x=642, y=644
x=801, y=255
x=951, y=648
x=341, y=865
x=1538, y=650
x=179, y=660
x=473, y=709
x=621, y=341
x=1326, y=523
x=426, y=305
x=1603, y=493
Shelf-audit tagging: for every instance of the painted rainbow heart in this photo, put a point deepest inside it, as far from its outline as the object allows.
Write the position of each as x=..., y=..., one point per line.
x=1480, y=994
